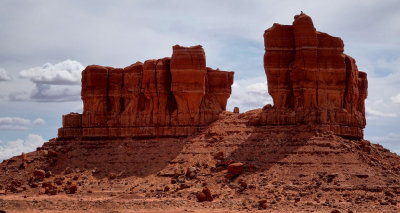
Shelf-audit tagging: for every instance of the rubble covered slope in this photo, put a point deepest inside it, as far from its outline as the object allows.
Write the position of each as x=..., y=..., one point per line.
x=242, y=165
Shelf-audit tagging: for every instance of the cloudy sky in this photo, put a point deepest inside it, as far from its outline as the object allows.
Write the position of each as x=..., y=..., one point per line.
x=44, y=45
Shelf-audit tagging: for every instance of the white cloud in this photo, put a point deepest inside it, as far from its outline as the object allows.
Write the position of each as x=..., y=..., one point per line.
x=67, y=72
x=13, y=128
x=4, y=75
x=396, y=99
x=52, y=83
x=13, y=148
x=18, y=124
x=55, y=93
x=19, y=96
x=14, y=121
x=38, y=121
x=78, y=108
x=375, y=114
x=248, y=94
x=390, y=140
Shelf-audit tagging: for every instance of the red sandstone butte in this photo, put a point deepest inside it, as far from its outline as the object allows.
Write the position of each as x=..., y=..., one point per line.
x=312, y=81
x=169, y=97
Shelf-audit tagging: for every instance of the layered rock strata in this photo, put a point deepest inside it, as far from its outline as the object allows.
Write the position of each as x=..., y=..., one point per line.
x=312, y=81
x=167, y=97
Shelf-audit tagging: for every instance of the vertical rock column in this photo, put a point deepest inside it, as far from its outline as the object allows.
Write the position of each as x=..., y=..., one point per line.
x=149, y=89
x=278, y=61
x=114, y=96
x=132, y=83
x=305, y=70
x=188, y=72
x=331, y=72
x=94, y=96
x=163, y=79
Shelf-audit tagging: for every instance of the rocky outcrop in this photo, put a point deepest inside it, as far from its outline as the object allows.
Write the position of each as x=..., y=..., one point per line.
x=165, y=97
x=312, y=81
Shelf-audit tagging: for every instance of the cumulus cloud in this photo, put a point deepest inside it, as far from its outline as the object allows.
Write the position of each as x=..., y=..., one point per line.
x=4, y=75
x=48, y=93
x=13, y=148
x=18, y=124
x=67, y=72
x=38, y=121
x=53, y=83
x=249, y=94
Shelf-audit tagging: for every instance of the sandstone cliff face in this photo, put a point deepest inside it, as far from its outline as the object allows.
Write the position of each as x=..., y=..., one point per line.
x=312, y=81
x=165, y=97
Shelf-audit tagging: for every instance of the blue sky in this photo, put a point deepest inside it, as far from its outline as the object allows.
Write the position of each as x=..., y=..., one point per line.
x=44, y=45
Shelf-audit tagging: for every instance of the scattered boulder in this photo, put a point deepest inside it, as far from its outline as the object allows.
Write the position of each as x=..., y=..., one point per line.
x=72, y=189
x=208, y=194
x=58, y=181
x=112, y=175
x=191, y=172
x=52, y=154
x=51, y=191
x=39, y=174
x=235, y=168
x=262, y=204
x=67, y=170
x=24, y=157
x=201, y=196
x=204, y=195
x=243, y=185
x=23, y=165
x=219, y=156
x=49, y=188
x=48, y=174
x=183, y=186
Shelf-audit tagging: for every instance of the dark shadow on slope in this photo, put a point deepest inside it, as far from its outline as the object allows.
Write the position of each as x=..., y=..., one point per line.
x=270, y=145
x=123, y=158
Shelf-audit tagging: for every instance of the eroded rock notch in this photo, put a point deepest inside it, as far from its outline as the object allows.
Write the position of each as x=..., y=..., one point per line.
x=158, y=98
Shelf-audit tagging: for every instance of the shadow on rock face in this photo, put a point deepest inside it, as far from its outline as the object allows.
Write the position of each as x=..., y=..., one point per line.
x=114, y=159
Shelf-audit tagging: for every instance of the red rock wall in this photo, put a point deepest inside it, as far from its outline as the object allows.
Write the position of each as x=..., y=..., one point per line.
x=165, y=97
x=311, y=80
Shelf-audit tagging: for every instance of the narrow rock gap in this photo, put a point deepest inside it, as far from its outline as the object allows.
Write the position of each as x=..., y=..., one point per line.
x=157, y=97
x=108, y=92
x=121, y=99
x=317, y=76
x=348, y=70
